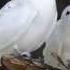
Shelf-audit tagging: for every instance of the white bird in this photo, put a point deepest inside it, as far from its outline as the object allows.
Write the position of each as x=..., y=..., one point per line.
x=64, y=31
x=25, y=24
x=65, y=24
x=59, y=40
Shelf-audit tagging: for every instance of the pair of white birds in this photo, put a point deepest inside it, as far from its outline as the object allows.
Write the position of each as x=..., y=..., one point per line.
x=26, y=24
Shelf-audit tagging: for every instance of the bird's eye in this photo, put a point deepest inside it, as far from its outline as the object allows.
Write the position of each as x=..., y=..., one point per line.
x=68, y=12
x=25, y=55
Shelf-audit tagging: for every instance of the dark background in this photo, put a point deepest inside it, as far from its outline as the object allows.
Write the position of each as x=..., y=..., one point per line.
x=61, y=4
x=3, y=2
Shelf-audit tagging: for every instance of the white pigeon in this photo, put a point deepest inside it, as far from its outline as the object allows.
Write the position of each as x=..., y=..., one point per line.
x=59, y=41
x=64, y=31
x=24, y=24
x=65, y=20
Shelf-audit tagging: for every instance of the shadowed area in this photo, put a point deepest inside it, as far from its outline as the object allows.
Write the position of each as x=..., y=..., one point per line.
x=3, y=2
x=39, y=52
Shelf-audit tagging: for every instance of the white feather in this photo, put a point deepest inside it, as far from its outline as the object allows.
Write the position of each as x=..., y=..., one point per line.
x=26, y=23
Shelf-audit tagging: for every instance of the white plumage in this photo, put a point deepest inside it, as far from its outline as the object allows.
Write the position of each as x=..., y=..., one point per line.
x=26, y=23
x=65, y=21
x=59, y=41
